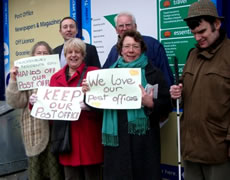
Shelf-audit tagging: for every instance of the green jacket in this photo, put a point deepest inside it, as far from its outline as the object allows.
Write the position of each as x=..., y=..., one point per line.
x=205, y=123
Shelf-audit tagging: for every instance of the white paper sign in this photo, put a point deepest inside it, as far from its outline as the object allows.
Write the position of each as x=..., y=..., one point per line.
x=36, y=71
x=116, y=88
x=58, y=103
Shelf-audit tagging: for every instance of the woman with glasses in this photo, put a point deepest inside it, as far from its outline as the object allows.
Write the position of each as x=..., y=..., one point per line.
x=131, y=138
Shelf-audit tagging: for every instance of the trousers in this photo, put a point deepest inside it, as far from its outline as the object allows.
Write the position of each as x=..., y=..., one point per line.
x=91, y=172
x=199, y=171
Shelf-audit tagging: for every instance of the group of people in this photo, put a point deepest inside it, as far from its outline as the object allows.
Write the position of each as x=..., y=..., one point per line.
x=126, y=143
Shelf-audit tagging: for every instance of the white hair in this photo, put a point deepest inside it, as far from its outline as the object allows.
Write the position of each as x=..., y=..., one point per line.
x=125, y=14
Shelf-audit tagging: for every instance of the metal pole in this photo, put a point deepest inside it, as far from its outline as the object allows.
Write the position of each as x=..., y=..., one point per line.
x=178, y=119
x=178, y=138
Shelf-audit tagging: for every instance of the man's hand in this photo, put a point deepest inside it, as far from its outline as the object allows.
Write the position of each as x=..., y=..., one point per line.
x=175, y=91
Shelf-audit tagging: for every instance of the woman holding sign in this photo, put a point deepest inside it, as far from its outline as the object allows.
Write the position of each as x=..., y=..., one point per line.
x=131, y=137
x=35, y=132
x=86, y=154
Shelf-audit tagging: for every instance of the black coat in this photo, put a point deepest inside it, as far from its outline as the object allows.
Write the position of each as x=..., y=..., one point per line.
x=138, y=157
x=91, y=58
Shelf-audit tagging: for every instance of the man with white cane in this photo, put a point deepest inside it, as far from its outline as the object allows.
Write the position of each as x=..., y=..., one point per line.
x=178, y=119
x=204, y=91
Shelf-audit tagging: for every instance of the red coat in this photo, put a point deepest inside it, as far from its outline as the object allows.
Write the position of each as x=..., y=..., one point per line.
x=85, y=132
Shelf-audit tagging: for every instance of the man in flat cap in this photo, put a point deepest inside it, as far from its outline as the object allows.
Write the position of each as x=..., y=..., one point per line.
x=205, y=94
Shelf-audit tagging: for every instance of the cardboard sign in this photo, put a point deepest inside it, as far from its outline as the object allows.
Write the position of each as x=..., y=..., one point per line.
x=36, y=71
x=116, y=88
x=58, y=103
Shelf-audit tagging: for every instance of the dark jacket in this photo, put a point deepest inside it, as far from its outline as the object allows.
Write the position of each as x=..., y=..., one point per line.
x=138, y=156
x=91, y=58
x=205, y=123
x=155, y=53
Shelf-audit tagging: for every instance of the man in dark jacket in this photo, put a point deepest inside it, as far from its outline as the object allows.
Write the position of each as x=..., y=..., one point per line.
x=205, y=92
x=155, y=51
x=69, y=29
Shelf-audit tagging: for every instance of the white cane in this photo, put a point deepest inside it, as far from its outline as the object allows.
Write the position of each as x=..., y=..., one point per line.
x=178, y=118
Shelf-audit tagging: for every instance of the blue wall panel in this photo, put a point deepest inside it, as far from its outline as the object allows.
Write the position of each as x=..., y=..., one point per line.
x=2, y=71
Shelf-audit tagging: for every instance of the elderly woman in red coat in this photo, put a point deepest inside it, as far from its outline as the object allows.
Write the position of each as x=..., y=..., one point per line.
x=83, y=162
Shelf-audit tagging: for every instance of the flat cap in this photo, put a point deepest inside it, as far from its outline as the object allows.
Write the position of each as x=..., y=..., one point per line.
x=202, y=8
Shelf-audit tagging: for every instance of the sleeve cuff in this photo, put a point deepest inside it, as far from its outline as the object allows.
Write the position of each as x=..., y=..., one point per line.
x=13, y=85
x=228, y=135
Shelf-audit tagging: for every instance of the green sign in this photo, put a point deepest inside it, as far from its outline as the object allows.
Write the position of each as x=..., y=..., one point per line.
x=173, y=32
x=179, y=48
x=172, y=18
x=175, y=3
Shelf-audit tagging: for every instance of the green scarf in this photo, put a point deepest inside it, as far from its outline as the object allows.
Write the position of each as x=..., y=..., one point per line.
x=138, y=122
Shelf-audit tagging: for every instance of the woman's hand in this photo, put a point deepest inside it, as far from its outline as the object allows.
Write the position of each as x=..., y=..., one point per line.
x=83, y=106
x=13, y=73
x=85, y=86
x=33, y=99
x=175, y=91
x=147, y=98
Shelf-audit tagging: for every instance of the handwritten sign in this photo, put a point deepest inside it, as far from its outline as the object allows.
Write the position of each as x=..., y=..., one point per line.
x=36, y=71
x=116, y=88
x=58, y=103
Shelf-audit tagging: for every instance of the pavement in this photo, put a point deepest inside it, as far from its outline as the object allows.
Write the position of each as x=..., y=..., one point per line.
x=22, y=175
x=13, y=161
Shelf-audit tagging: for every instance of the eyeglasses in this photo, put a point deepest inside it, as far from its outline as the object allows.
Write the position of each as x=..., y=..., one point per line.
x=133, y=46
x=122, y=26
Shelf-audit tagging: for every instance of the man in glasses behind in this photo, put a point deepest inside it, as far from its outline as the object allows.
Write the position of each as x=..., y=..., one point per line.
x=155, y=51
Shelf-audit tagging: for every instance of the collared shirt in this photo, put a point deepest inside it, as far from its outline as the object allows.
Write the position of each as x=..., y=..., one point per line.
x=62, y=58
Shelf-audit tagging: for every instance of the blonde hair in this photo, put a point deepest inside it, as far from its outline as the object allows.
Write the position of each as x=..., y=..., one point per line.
x=75, y=43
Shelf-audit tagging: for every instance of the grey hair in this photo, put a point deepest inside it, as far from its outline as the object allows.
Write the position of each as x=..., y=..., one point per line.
x=125, y=14
x=75, y=43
